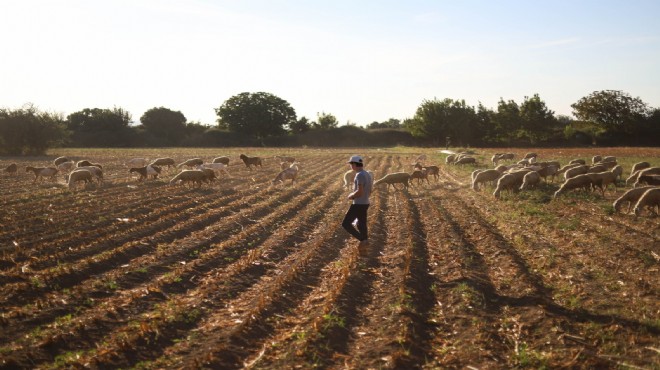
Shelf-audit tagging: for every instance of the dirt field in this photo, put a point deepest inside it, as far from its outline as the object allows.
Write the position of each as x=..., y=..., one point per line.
x=242, y=274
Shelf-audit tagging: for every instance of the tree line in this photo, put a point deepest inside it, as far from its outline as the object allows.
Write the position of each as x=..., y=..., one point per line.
x=607, y=117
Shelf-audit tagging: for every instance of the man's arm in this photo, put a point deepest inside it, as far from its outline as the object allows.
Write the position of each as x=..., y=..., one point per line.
x=357, y=193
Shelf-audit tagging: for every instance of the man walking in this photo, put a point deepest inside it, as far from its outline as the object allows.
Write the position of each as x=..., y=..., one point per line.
x=360, y=204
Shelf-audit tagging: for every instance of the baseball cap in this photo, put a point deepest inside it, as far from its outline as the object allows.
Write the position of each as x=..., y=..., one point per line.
x=355, y=159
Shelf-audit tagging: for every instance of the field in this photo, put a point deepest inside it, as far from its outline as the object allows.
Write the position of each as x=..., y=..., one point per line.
x=243, y=274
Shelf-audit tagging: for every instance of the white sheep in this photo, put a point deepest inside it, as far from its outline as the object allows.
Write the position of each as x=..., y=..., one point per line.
x=59, y=160
x=618, y=170
x=224, y=160
x=86, y=163
x=394, y=178
x=607, y=164
x=578, y=170
x=507, y=156
x=596, y=159
x=648, y=180
x=530, y=155
x=530, y=180
x=217, y=167
x=465, y=160
x=568, y=167
x=42, y=172
x=639, y=166
x=582, y=181
x=650, y=199
x=97, y=172
x=577, y=161
x=609, y=158
x=193, y=162
x=450, y=159
x=349, y=177
x=495, y=158
x=161, y=162
x=193, y=176
x=646, y=171
x=66, y=166
x=290, y=173
x=79, y=175
x=482, y=177
x=631, y=197
x=510, y=181
x=284, y=158
x=597, y=168
x=137, y=162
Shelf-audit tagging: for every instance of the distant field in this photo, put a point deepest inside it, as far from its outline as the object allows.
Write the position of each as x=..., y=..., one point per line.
x=240, y=273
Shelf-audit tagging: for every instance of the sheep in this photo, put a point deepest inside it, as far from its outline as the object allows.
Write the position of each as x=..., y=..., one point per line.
x=431, y=170
x=577, y=161
x=507, y=156
x=631, y=196
x=608, y=165
x=596, y=159
x=224, y=160
x=12, y=169
x=610, y=158
x=495, y=158
x=420, y=175
x=194, y=176
x=191, y=163
x=450, y=159
x=78, y=175
x=530, y=180
x=550, y=170
x=288, y=174
x=41, y=172
x=349, y=177
x=420, y=158
x=137, y=162
x=646, y=171
x=639, y=166
x=602, y=180
x=97, y=172
x=394, y=178
x=210, y=175
x=66, y=166
x=283, y=158
x=161, y=162
x=86, y=163
x=650, y=199
x=578, y=170
x=618, y=170
x=579, y=181
x=146, y=171
x=465, y=160
x=530, y=155
x=510, y=181
x=484, y=177
x=59, y=160
x=216, y=167
x=596, y=169
x=251, y=161
x=648, y=180
x=568, y=167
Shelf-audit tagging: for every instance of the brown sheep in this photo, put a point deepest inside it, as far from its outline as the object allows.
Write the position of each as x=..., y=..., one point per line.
x=650, y=199
x=223, y=160
x=631, y=197
x=12, y=169
x=251, y=161
x=41, y=172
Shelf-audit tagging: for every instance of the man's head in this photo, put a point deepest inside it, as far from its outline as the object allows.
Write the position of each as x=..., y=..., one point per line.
x=356, y=161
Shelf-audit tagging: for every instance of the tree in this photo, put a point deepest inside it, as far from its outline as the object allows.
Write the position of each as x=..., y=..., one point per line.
x=537, y=121
x=257, y=115
x=300, y=126
x=507, y=120
x=613, y=110
x=29, y=131
x=438, y=119
x=325, y=121
x=391, y=123
x=168, y=126
x=100, y=127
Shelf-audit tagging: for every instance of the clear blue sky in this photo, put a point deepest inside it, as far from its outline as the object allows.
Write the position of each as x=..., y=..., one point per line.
x=361, y=61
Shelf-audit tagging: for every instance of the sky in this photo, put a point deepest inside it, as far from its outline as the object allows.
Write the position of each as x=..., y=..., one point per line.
x=361, y=61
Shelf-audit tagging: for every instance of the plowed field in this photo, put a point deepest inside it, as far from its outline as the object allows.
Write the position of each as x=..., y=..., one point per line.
x=243, y=274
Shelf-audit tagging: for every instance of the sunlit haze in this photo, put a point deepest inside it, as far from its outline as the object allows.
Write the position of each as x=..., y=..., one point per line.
x=361, y=61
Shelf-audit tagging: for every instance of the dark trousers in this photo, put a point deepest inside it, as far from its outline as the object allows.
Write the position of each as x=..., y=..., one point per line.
x=359, y=212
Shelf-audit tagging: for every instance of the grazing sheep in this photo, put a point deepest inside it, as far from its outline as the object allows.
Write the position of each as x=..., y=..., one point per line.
x=650, y=199
x=194, y=162
x=483, y=177
x=97, y=172
x=530, y=155
x=568, y=167
x=577, y=161
x=394, y=178
x=631, y=197
x=602, y=180
x=420, y=158
x=137, y=162
x=530, y=180
x=596, y=159
x=161, y=162
x=193, y=176
x=450, y=159
x=596, y=169
x=146, y=171
x=465, y=160
x=41, y=172
x=430, y=170
x=608, y=165
x=66, y=166
x=648, y=180
x=639, y=166
x=79, y=175
x=510, y=181
x=283, y=158
x=210, y=175
x=224, y=160
x=618, y=170
x=12, y=169
x=251, y=161
x=507, y=156
x=578, y=170
x=610, y=158
x=420, y=175
x=216, y=167
x=582, y=181
x=86, y=163
x=548, y=170
x=290, y=173
x=59, y=160
x=646, y=171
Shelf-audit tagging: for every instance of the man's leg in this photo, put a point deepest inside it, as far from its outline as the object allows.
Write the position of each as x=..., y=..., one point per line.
x=347, y=224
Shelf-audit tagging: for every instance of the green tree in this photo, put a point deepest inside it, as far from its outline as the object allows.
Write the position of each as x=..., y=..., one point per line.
x=167, y=126
x=613, y=110
x=98, y=127
x=325, y=121
x=29, y=131
x=437, y=119
x=537, y=122
x=300, y=126
x=507, y=120
x=390, y=123
x=257, y=115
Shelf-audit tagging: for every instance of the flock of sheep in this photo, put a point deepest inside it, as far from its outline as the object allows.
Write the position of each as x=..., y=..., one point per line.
x=196, y=172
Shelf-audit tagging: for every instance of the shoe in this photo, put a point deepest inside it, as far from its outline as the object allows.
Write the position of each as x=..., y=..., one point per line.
x=363, y=247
